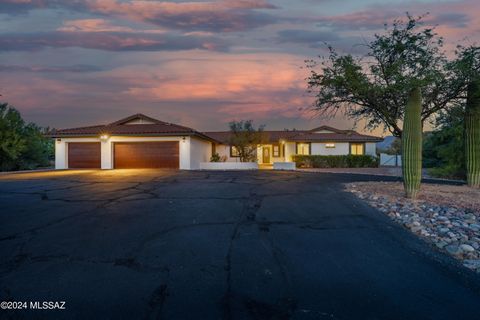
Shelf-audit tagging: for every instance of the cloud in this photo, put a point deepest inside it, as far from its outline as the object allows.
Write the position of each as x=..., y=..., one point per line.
x=313, y=38
x=13, y=7
x=455, y=15
x=80, y=68
x=110, y=41
x=213, y=16
x=92, y=25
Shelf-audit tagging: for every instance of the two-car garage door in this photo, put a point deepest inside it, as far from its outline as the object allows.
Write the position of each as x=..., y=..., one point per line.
x=163, y=154
x=126, y=155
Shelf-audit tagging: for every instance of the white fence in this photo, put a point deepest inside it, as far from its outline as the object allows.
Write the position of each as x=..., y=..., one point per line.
x=228, y=166
x=390, y=160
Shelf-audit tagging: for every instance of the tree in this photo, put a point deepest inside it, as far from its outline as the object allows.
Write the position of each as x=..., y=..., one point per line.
x=443, y=152
x=376, y=87
x=22, y=145
x=245, y=138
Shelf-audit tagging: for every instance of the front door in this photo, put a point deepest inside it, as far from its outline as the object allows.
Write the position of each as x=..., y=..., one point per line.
x=266, y=154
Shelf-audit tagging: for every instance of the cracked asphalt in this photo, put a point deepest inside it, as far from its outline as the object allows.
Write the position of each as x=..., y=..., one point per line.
x=153, y=244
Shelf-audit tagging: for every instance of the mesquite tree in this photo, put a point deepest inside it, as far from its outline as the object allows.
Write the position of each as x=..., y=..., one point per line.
x=412, y=144
x=375, y=87
x=472, y=133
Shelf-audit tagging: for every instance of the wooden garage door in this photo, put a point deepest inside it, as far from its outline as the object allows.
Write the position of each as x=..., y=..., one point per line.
x=163, y=154
x=83, y=155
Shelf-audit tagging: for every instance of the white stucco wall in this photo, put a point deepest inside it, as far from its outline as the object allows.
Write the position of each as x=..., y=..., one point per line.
x=191, y=154
x=290, y=150
x=223, y=150
x=371, y=148
x=200, y=151
x=341, y=148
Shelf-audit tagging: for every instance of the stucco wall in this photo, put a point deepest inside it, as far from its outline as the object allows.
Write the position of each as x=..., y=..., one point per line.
x=223, y=150
x=371, y=149
x=341, y=148
x=290, y=150
x=200, y=151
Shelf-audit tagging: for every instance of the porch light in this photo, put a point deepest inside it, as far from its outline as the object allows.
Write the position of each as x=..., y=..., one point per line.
x=104, y=137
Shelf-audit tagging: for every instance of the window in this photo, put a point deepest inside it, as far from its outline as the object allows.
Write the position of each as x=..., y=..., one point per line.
x=276, y=150
x=329, y=145
x=234, y=152
x=303, y=149
x=357, y=149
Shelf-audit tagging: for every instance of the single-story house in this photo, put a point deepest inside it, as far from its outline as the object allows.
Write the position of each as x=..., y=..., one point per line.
x=139, y=141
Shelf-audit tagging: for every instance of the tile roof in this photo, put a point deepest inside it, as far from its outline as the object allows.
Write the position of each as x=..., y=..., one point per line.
x=154, y=127
x=304, y=136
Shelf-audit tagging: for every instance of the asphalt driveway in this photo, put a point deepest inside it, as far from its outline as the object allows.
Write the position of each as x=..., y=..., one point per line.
x=149, y=244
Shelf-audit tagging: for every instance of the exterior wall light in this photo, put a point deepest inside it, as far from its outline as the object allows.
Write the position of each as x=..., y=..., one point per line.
x=329, y=145
x=104, y=137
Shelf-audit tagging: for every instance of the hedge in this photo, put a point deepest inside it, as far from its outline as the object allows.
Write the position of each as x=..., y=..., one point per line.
x=346, y=161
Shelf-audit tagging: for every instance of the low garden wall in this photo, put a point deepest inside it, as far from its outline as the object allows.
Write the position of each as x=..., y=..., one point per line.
x=284, y=166
x=346, y=161
x=228, y=166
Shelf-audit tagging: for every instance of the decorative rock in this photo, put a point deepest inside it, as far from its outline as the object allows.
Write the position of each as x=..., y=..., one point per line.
x=453, y=249
x=467, y=248
x=455, y=230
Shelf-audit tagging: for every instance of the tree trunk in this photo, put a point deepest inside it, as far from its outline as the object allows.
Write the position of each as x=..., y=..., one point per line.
x=412, y=144
x=472, y=134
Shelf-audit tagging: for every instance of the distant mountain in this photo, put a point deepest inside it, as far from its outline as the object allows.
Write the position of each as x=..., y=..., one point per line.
x=386, y=143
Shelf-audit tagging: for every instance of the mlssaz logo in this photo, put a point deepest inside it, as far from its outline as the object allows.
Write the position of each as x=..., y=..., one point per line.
x=47, y=305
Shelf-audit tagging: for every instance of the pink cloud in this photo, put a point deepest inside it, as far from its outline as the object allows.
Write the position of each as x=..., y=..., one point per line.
x=222, y=15
x=92, y=25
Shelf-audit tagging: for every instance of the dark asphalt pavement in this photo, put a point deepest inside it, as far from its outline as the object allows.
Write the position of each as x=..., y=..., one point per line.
x=146, y=244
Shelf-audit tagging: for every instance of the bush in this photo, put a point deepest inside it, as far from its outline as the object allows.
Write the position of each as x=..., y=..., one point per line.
x=345, y=161
x=23, y=145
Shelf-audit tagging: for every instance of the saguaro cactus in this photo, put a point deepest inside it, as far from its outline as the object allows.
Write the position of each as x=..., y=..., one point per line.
x=412, y=144
x=472, y=133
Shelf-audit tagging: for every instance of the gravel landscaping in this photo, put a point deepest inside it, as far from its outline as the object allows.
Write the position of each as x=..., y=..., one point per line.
x=446, y=215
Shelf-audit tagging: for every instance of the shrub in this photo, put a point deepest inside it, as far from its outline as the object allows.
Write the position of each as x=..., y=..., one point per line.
x=215, y=157
x=343, y=161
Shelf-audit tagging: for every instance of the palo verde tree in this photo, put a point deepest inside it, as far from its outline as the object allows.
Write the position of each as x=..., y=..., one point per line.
x=376, y=86
x=244, y=138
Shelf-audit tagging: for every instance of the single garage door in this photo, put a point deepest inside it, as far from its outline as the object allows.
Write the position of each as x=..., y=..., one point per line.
x=163, y=154
x=83, y=155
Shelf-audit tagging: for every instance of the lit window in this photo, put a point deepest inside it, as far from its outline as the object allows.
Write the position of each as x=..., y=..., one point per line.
x=303, y=149
x=276, y=150
x=329, y=145
x=357, y=149
x=234, y=152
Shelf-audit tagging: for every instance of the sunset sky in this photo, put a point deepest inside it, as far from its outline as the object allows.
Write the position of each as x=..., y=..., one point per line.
x=197, y=63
